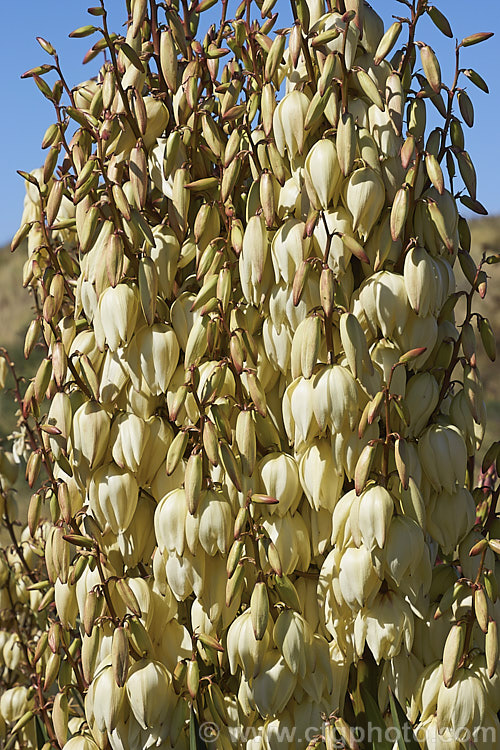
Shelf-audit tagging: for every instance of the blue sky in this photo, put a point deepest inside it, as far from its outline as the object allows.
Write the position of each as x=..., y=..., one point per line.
x=26, y=114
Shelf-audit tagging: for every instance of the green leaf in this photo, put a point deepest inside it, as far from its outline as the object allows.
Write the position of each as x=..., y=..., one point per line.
x=355, y=248
x=45, y=45
x=43, y=86
x=440, y=21
x=83, y=31
x=132, y=55
x=91, y=54
x=473, y=205
x=193, y=733
x=401, y=723
x=491, y=259
x=143, y=227
x=437, y=219
x=41, y=732
x=482, y=36
x=82, y=118
x=400, y=410
x=39, y=70
x=412, y=354
x=205, y=5
x=376, y=721
x=477, y=80
x=28, y=177
x=196, y=741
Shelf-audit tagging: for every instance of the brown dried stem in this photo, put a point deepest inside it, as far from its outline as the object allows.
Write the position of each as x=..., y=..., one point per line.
x=416, y=12
x=114, y=60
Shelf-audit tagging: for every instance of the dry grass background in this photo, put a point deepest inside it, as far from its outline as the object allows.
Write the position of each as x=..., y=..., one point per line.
x=15, y=315
x=16, y=312
x=486, y=237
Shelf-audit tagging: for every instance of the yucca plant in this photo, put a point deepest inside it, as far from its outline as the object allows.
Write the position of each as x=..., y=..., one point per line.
x=252, y=439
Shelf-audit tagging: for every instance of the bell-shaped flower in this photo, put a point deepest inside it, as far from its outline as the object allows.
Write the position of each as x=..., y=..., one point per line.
x=185, y=573
x=116, y=315
x=298, y=417
x=243, y=649
x=419, y=332
x=274, y=685
x=290, y=536
x=254, y=264
x=422, y=394
x=288, y=123
x=462, y=705
x=293, y=638
x=215, y=522
x=384, y=625
x=288, y=250
x=170, y=521
x=335, y=399
x=384, y=301
x=277, y=344
x=280, y=479
x=443, y=456
x=128, y=437
x=403, y=547
x=450, y=516
x=113, y=495
x=364, y=197
x=358, y=579
x=320, y=477
x=150, y=694
x=152, y=357
x=422, y=280
x=114, y=376
x=323, y=177
x=66, y=603
x=370, y=516
x=104, y=699
x=90, y=439
x=337, y=220
x=14, y=703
